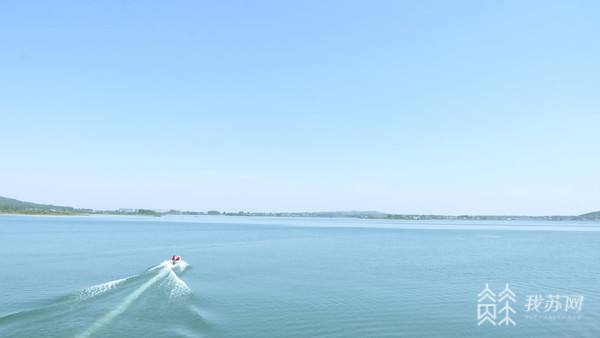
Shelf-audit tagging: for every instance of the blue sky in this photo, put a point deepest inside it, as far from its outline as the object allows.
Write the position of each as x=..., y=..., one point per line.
x=484, y=107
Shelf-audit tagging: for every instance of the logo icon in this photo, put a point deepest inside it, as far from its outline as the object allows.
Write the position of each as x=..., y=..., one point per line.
x=487, y=307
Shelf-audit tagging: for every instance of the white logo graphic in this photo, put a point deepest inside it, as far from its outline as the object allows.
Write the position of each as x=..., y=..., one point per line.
x=487, y=307
x=507, y=297
x=497, y=309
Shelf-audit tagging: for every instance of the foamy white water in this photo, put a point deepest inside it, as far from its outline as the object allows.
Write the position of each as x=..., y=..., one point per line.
x=165, y=270
x=99, y=289
x=121, y=307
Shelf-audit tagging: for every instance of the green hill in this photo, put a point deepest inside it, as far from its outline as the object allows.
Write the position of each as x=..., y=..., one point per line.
x=593, y=215
x=15, y=206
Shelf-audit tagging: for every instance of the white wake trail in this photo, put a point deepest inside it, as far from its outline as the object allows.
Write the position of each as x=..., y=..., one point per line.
x=178, y=287
x=99, y=289
x=124, y=305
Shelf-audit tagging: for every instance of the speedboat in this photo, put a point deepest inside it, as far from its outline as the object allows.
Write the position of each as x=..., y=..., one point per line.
x=175, y=259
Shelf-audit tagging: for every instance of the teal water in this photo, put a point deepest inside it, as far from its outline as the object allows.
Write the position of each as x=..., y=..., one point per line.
x=97, y=276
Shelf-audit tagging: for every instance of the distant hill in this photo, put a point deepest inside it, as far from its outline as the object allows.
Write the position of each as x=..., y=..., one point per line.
x=13, y=205
x=595, y=214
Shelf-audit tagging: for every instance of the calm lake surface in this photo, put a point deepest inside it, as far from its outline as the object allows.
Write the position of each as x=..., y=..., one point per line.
x=101, y=276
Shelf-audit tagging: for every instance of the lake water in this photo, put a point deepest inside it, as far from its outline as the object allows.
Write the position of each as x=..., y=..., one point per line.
x=101, y=276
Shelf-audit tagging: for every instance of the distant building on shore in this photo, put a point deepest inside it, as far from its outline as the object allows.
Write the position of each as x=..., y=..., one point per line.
x=127, y=210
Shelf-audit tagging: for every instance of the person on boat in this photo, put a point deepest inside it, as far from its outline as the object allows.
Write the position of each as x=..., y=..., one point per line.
x=175, y=259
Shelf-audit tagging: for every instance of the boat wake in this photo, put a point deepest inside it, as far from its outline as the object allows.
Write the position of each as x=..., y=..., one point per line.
x=156, y=296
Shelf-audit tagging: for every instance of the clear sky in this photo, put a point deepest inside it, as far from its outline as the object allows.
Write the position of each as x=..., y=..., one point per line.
x=448, y=107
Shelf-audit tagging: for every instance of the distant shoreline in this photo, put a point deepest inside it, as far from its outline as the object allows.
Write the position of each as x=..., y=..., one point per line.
x=16, y=207
x=303, y=215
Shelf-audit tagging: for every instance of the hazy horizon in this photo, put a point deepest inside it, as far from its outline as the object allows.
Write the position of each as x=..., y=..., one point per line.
x=411, y=108
x=293, y=211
